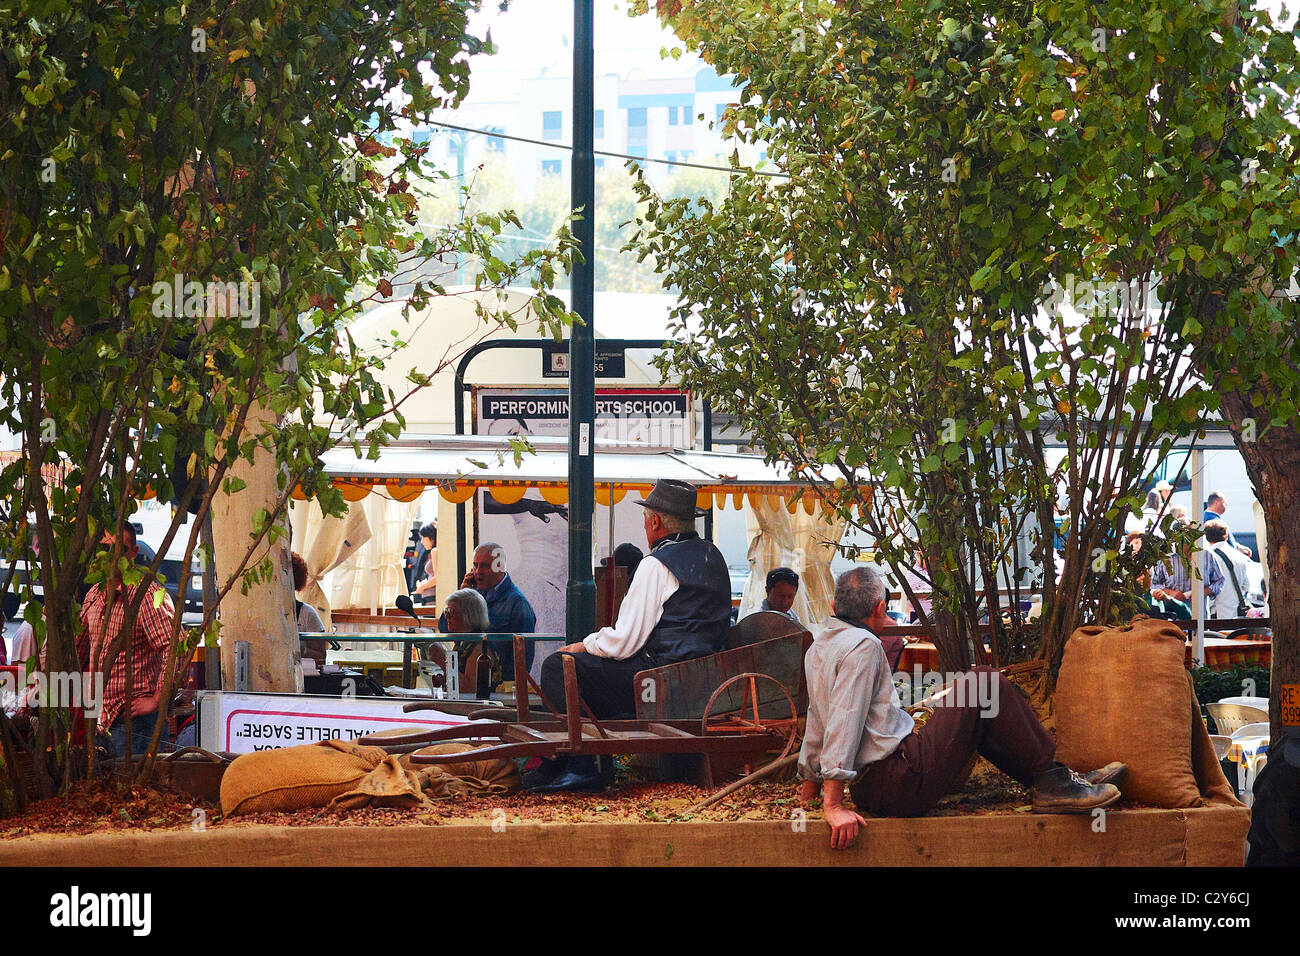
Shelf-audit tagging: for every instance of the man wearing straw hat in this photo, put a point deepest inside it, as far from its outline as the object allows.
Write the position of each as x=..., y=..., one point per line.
x=677, y=607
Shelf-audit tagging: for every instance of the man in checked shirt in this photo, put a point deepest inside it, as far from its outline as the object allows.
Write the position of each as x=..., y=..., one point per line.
x=100, y=626
x=859, y=738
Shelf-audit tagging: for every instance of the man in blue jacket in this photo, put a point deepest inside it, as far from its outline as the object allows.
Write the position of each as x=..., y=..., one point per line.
x=508, y=610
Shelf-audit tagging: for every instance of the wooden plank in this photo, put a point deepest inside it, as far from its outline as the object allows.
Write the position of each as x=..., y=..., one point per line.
x=664, y=730
x=1210, y=836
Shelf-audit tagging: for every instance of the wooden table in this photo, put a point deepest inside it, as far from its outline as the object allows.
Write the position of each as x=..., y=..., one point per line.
x=922, y=654
x=367, y=661
x=1222, y=654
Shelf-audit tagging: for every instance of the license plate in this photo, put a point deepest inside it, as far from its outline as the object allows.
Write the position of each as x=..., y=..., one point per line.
x=1290, y=705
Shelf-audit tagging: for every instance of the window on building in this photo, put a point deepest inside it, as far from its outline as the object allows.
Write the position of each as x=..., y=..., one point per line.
x=672, y=116
x=419, y=136
x=600, y=163
x=671, y=155
x=494, y=143
x=552, y=167
x=598, y=121
x=638, y=137
x=552, y=121
x=721, y=109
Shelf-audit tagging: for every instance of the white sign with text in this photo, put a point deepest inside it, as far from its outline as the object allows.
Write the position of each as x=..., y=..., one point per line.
x=243, y=723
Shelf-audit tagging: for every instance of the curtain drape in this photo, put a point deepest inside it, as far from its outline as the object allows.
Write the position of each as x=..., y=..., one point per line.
x=372, y=576
x=325, y=543
x=802, y=542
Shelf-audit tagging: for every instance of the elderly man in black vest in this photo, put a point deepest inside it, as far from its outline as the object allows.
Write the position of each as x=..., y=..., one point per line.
x=677, y=607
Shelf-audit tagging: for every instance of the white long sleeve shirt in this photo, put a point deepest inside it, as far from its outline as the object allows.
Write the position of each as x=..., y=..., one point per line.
x=854, y=714
x=640, y=611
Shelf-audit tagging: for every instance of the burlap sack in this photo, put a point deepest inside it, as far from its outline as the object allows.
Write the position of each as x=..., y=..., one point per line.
x=1123, y=693
x=492, y=776
x=392, y=785
x=312, y=775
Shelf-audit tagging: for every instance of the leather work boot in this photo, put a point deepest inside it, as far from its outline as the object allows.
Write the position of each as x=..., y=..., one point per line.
x=1061, y=790
x=577, y=775
x=1114, y=772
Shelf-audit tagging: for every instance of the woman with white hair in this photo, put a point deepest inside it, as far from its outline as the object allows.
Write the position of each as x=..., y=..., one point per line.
x=467, y=613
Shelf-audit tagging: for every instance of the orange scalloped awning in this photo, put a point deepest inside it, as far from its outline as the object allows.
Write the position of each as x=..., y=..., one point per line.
x=457, y=491
x=555, y=494
x=603, y=495
x=352, y=490
x=404, y=491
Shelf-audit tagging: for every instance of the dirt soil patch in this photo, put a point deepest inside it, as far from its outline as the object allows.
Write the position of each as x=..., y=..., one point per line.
x=105, y=805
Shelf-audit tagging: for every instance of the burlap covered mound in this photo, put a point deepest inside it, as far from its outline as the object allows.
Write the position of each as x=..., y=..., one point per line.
x=312, y=775
x=344, y=775
x=491, y=776
x=1124, y=694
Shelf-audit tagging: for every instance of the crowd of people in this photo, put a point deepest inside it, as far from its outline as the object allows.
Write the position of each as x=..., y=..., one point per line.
x=1172, y=584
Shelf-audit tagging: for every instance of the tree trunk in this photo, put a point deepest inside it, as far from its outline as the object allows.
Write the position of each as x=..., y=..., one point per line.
x=1273, y=463
x=264, y=616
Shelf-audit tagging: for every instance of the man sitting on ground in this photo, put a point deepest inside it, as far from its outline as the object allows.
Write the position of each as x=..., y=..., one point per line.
x=858, y=734
x=678, y=607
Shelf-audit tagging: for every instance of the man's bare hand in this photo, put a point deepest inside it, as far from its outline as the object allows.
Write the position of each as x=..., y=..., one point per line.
x=579, y=648
x=844, y=824
x=808, y=791
x=143, y=706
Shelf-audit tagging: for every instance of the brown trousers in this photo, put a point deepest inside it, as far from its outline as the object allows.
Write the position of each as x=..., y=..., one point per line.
x=912, y=779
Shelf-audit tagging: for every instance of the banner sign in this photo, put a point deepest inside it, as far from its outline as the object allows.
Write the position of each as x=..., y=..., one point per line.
x=650, y=416
x=241, y=723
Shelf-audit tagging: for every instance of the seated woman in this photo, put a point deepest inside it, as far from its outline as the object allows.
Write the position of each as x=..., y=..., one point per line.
x=467, y=613
x=307, y=617
x=782, y=586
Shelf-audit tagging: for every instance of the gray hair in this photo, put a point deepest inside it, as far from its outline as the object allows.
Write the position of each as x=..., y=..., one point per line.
x=674, y=524
x=498, y=552
x=472, y=609
x=857, y=592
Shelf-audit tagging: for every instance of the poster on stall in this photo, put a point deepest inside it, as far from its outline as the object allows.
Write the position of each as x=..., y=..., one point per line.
x=534, y=532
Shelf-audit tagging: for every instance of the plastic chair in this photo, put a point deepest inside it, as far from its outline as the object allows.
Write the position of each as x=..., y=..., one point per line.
x=1229, y=718
x=1221, y=744
x=1251, y=730
x=1257, y=632
x=1260, y=702
x=1252, y=753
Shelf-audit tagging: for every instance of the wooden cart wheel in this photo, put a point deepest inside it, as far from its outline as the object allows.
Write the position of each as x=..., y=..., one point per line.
x=746, y=718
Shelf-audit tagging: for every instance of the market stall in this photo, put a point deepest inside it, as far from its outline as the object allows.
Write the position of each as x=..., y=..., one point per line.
x=457, y=468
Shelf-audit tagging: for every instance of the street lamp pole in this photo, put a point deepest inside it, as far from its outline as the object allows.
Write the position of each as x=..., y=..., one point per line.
x=580, y=595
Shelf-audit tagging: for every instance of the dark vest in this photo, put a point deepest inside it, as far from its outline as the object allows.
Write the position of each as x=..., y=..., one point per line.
x=695, y=619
